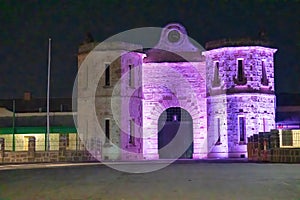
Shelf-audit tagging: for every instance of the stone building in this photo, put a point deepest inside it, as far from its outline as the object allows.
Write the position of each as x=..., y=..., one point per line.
x=175, y=100
x=241, y=98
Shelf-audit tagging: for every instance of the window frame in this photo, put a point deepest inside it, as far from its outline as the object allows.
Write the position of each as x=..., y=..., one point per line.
x=131, y=75
x=264, y=76
x=284, y=135
x=238, y=67
x=218, y=125
x=216, y=69
x=244, y=129
x=107, y=130
x=107, y=74
x=131, y=139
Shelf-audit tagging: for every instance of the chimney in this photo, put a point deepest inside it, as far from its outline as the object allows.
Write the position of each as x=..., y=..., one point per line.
x=27, y=96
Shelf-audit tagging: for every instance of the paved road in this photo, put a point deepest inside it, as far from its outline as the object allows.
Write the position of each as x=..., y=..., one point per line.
x=177, y=181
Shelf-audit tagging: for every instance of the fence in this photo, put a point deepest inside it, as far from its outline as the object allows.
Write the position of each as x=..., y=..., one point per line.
x=16, y=139
x=19, y=142
x=29, y=144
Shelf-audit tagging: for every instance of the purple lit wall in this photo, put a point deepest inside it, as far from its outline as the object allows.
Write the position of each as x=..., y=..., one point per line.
x=174, y=75
x=247, y=94
x=176, y=85
x=131, y=106
x=228, y=92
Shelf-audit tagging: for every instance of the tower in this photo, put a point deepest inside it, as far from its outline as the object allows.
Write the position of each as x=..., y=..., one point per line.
x=240, y=94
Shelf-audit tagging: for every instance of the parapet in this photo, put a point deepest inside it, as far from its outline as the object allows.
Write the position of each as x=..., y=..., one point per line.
x=229, y=42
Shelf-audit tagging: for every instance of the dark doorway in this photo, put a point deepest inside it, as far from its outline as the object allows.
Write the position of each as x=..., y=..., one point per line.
x=175, y=134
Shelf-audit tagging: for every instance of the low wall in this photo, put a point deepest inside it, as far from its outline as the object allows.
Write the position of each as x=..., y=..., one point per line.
x=31, y=155
x=265, y=147
x=43, y=156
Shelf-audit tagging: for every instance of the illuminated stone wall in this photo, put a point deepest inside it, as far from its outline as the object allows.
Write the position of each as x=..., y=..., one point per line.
x=176, y=85
x=131, y=105
x=99, y=99
x=253, y=58
x=229, y=96
x=228, y=83
x=174, y=75
x=108, y=101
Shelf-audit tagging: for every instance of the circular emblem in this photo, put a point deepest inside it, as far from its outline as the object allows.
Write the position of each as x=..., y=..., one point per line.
x=174, y=36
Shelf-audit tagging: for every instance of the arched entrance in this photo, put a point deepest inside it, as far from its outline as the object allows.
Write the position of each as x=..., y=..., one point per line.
x=175, y=134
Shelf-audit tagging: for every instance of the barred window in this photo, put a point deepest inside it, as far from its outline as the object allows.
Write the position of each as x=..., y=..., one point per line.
x=177, y=114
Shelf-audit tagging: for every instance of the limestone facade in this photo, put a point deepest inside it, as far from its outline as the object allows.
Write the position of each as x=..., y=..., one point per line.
x=228, y=91
x=252, y=97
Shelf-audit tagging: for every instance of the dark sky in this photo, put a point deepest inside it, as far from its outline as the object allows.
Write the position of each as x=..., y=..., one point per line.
x=25, y=27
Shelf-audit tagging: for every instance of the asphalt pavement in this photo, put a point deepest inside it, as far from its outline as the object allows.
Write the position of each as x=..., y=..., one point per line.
x=181, y=180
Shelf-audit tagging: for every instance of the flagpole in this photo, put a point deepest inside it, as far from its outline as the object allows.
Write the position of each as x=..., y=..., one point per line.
x=14, y=124
x=48, y=96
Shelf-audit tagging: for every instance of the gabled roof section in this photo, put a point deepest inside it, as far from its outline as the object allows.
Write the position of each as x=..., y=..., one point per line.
x=174, y=46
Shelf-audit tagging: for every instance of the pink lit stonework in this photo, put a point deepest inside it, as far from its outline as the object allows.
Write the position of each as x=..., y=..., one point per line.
x=231, y=100
x=228, y=92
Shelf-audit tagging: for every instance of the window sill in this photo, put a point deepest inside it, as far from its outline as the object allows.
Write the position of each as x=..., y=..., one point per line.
x=107, y=86
x=107, y=144
x=217, y=87
x=242, y=143
x=287, y=146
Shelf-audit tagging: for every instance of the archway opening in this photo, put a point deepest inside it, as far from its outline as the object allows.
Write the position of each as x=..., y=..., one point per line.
x=175, y=134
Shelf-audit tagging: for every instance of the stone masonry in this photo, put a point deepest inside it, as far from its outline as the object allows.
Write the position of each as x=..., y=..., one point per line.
x=228, y=90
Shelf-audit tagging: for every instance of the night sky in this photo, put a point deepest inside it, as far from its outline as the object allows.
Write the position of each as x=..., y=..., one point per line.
x=25, y=27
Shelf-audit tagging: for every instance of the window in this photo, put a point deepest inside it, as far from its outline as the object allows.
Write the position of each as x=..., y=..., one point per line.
x=107, y=129
x=181, y=115
x=67, y=139
x=216, y=81
x=241, y=79
x=218, y=131
x=240, y=70
x=264, y=79
x=131, y=132
x=131, y=76
x=242, y=129
x=107, y=74
x=287, y=138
